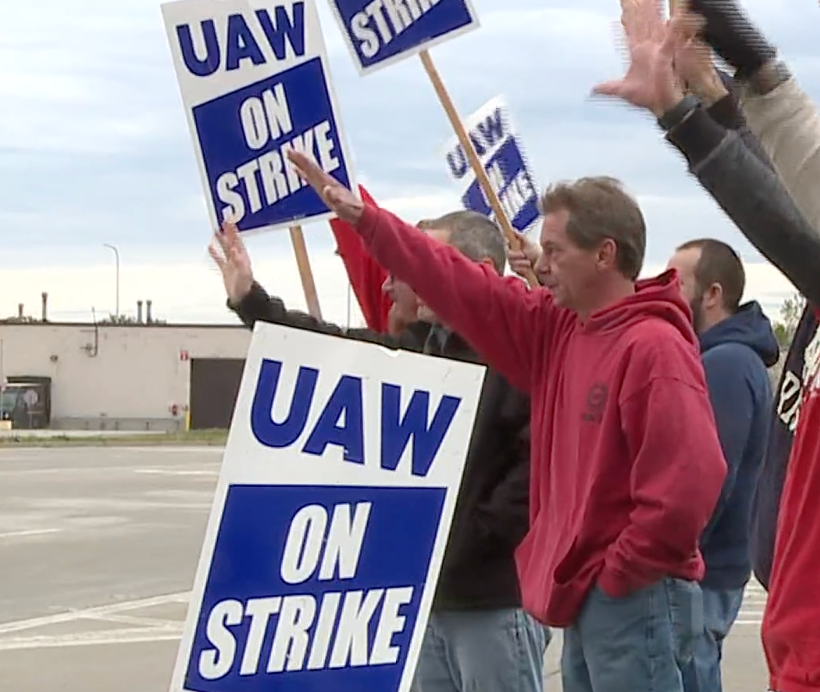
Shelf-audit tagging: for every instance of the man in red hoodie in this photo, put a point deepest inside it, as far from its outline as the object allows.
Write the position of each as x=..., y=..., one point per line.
x=626, y=462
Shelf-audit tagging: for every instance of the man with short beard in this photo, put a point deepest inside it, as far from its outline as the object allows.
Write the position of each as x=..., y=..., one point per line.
x=737, y=345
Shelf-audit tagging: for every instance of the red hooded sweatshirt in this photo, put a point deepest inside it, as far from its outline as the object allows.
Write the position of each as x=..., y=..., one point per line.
x=365, y=275
x=626, y=462
x=791, y=633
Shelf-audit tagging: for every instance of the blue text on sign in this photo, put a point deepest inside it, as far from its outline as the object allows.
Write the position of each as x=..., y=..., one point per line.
x=484, y=137
x=283, y=31
x=509, y=177
x=341, y=421
x=245, y=136
x=380, y=30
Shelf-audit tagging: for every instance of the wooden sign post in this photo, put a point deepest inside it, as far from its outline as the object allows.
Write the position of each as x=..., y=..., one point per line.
x=512, y=237
x=297, y=239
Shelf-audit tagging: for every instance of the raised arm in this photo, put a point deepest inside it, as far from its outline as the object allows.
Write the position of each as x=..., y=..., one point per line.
x=753, y=196
x=749, y=192
x=508, y=324
x=781, y=116
x=787, y=124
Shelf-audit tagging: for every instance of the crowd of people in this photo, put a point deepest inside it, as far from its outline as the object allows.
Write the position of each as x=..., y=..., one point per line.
x=630, y=466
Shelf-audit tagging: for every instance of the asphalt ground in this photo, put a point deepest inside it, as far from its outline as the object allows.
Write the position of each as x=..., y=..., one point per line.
x=98, y=549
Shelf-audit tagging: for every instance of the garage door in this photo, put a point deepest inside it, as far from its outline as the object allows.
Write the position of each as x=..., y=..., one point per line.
x=214, y=387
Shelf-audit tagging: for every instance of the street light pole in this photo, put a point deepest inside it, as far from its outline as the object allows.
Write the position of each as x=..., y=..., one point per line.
x=117, y=260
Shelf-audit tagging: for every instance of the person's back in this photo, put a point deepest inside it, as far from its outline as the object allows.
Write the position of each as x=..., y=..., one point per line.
x=737, y=346
x=726, y=550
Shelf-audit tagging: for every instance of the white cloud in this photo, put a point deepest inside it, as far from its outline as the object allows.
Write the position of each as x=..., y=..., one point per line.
x=96, y=149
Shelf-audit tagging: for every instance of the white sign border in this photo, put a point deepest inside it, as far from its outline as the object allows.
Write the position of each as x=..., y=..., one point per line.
x=194, y=606
x=363, y=71
x=210, y=203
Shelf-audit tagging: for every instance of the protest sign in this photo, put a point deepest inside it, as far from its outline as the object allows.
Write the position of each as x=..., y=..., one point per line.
x=255, y=83
x=497, y=145
x=379, y=34
x=330, y=517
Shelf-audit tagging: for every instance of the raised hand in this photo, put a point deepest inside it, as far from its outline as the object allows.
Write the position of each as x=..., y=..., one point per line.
x=694, y=62
x=650, y=81
x=523, y=261
x=336, y=196
x=229, y=253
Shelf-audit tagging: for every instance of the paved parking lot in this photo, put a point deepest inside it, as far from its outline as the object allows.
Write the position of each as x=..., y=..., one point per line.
x=98, y=549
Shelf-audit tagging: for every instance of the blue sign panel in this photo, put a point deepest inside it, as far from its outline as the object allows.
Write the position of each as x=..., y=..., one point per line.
x=330, y=517
x=499, y=150
x=334, y=602
x=380, y=33
x=255, y=84
x=511, y=180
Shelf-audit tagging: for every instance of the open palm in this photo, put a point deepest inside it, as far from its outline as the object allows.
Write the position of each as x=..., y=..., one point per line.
x=229, y=253
x=650, y=81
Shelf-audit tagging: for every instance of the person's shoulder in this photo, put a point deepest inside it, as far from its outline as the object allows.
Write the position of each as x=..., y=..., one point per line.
x=734, y=359
x=661, y=338
x=657, y=348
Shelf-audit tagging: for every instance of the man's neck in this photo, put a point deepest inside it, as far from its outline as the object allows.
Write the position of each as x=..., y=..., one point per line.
x=712, y=319
x=613, y=293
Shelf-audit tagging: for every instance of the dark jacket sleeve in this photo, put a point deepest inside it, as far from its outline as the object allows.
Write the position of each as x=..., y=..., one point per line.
x=753, y=196
x=259, y=306
x=728, y=113
x=505, y=514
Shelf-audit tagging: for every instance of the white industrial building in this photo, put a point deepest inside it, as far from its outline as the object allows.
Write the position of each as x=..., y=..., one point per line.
x=121, y=377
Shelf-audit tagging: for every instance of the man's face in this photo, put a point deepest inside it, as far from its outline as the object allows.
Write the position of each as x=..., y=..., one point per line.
x=567, y=270
x=405, y=302
x=425, y=314
x=686, y=262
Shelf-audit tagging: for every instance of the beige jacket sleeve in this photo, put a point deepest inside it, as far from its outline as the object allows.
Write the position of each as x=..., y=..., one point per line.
x=786, y=122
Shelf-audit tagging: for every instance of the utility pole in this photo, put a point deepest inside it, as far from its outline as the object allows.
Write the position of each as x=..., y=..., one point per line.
x=117, y=260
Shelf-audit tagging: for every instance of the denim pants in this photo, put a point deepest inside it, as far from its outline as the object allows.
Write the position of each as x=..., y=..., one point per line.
x=720, y=609
x=482, y=651
x=633, y=644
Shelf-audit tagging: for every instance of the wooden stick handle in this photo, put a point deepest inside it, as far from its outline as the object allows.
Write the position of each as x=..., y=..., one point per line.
x=481, y=175
x=297, y=239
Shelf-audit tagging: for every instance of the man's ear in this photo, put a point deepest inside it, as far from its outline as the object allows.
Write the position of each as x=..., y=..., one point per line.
x=607, y=254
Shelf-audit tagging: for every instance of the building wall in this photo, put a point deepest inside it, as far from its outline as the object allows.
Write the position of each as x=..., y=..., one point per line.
x=124, y=377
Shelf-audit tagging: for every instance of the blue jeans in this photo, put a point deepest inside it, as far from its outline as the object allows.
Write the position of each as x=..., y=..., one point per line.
x=720, y=609
x=635, y=643
x=482, y=651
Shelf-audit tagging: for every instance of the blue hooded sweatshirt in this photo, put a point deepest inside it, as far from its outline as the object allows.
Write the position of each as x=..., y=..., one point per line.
x=736, y=354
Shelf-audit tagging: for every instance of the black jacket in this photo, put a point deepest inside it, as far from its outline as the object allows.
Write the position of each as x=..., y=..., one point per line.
x=492, y=510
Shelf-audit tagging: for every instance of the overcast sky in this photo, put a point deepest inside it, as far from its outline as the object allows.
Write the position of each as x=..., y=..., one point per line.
x=95, y=147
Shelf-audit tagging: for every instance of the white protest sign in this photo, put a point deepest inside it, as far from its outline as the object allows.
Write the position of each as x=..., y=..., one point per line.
x=380, y=33
x=494, y=138
x=255, y=83
x=330, y=517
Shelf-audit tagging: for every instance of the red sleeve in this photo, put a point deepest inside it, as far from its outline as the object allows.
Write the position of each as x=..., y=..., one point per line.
x=365, y=275
x=505, y=321
x=676, y=478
